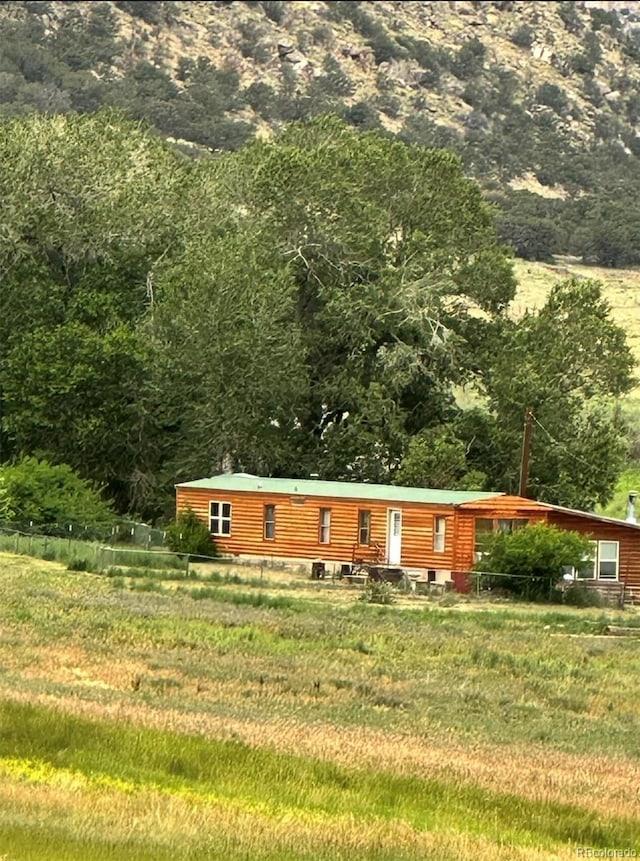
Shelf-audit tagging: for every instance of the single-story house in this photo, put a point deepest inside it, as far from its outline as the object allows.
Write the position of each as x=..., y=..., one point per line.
x=418, y=529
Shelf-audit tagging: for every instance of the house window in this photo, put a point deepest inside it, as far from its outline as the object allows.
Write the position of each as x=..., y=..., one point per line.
x=602, y=563
x=325, y=526
x=220, y=518
x=484, y=531
x=487, y=526
x=608, y=560
x=270, y=522
x=439, y=530
x=364, y=526
x=510, y=525
x=587, y=570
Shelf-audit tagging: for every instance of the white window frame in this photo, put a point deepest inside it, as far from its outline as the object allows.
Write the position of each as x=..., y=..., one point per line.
x=219, y=521
x=609, y=559
x=324, y=526
x=269, y=521
x=364, y=526
x=439, y=533
x=597, y=558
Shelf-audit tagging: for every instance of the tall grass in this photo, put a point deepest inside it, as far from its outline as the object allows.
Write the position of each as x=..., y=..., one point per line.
x=43, y=742
x=253, y=724
x=91, y=555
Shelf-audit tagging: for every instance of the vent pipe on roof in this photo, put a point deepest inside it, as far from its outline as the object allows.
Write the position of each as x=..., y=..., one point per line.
x=631, y=507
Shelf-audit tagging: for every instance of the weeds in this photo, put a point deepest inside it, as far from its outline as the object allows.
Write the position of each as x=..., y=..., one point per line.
x=378, y=592
x=250, y=599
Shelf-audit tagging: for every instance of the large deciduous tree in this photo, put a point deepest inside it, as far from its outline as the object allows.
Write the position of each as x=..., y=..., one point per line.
x=307, y=304
x=382, y=258
x=567, y=362
x=87, y=205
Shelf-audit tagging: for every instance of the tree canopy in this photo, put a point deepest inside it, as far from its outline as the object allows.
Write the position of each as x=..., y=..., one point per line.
x=311, y=303
x=33, y=490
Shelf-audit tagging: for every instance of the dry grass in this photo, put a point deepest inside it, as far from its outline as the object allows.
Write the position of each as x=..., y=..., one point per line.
x=397, y=693
x=532, y=771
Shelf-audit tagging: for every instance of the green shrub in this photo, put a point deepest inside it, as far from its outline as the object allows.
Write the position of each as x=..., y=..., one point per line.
x=570, y=17
x=151, y=12
x=578, y=595
x=532, y=238
x=469, y=60
x=362, y=116
x=554, y=97
x=604, y=18
x=523, y=37
x=274, y=10
x=37, y=491
x=189, y=535
x=378, y=592
x=145, y=586
x=79, y=565
x=384, y=47
x=262, y=98
x=335, y=81
x=531, y=560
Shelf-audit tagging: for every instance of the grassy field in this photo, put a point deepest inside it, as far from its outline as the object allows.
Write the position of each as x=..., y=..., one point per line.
x=248, y=716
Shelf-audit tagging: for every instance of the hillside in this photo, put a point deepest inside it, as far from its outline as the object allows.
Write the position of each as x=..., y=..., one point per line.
x=540, y=100
x=621, y=287
x=405, y=60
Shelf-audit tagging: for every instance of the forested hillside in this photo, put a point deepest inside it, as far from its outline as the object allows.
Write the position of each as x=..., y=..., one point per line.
x=540, y=100
x=310, y=303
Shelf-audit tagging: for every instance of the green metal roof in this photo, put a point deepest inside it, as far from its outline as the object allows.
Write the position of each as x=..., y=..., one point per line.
x=341, y=489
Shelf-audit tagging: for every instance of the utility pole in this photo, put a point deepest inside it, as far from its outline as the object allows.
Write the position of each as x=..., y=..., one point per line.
x=526, y=448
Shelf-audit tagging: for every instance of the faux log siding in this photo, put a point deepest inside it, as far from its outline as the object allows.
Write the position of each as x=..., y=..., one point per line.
x=417, y=537
x=628, y=538
x=499, y=507
x=297, y=526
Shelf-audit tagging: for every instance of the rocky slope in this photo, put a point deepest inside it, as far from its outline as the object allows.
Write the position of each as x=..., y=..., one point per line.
x=403, y=58
x=541, y=100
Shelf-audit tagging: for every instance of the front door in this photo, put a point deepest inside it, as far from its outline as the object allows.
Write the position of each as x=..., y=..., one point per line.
x=394, y=536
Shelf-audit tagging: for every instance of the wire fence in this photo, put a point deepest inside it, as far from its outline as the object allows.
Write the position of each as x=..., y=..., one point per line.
x=125, y=544
x=85, y=554
x=121, y=532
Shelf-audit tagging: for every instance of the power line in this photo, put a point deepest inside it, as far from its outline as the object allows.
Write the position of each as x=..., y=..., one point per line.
x=559, y=444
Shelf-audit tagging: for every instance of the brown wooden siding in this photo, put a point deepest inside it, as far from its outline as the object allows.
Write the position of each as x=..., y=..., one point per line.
x=297, y=527
x=628, y=538
x=499, y=508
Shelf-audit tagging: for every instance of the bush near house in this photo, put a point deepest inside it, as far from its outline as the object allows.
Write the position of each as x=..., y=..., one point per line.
x=188, y=534
x=531, y=560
